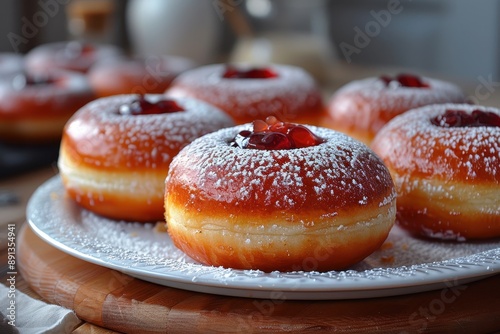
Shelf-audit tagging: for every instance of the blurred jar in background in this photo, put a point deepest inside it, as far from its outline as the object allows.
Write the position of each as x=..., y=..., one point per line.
x=91, y=20
x=294, y=32
x=187, y=28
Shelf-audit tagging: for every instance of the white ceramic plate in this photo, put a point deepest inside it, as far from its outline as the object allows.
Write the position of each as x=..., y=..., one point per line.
x=403, y=265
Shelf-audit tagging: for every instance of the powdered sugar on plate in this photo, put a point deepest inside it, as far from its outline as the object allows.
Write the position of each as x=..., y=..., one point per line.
x=402, y=265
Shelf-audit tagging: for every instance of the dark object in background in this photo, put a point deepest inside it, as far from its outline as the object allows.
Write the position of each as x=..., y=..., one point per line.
x=17, y=159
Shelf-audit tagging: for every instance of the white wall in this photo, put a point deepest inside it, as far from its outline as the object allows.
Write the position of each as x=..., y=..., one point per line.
x=455, y=37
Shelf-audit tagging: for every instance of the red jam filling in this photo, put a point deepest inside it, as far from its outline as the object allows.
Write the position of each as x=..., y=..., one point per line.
x=141, y=106
x=459, y=118
x=405, y=80
x=25, y=80
x=275, y=135
x=251, y=73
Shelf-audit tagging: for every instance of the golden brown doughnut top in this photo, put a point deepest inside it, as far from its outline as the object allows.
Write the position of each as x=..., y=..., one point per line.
x=370, y=103
x=280, y=90
x=73, y=55
x=148, y=72
x=414, y=144
x=102, y=135
x=39, y=94
x=337, y=175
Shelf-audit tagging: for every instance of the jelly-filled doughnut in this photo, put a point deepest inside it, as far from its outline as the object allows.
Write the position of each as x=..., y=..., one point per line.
x=249, y=93
x=362, y=107
x=445, y=162
x=138, y=75
x=73, y=56
x=278, y=196
x=116, y=151
x=35, y=105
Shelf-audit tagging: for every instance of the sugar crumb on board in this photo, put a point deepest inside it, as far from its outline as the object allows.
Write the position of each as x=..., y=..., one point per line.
x=388, y=259
x=387, y=245
x=160, y=227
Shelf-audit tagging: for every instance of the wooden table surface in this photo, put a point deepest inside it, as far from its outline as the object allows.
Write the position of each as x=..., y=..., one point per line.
x=115, y=300
x=23, y=186
x=476, y=309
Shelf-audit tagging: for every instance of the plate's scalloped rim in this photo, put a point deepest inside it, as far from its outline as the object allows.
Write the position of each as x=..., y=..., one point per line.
x=376, y=282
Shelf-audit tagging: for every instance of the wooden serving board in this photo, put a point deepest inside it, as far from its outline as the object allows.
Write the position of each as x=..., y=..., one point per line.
x=119, y=302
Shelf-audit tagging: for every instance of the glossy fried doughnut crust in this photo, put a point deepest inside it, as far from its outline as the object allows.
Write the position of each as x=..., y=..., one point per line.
x=246, y=94
x=35, y=105
x=320, y=207
x=138, y=75
x=445, y=162
x=361, y=108
x=72, y=56
x=116, y=151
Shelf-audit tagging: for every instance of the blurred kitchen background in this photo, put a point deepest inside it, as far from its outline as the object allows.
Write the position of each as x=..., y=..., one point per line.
x=337, y=41
x=451, y=38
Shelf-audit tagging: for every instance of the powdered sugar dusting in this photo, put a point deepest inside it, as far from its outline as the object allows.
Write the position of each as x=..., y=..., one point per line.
x=286, y=96
x=473, y=152
x=340, y=170
x=393, y=99
x=67, y=55
x=139, y=140
x=141, y=251
x=69, y=91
